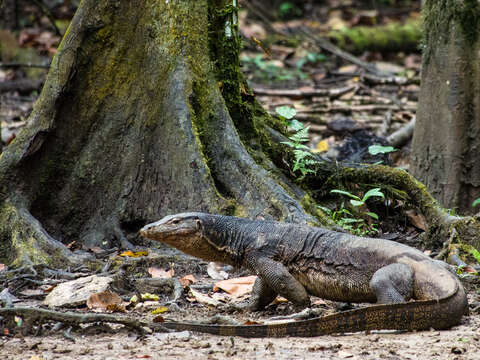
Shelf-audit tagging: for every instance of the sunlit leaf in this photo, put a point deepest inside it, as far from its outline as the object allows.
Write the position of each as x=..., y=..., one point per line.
x=322, y=146
x=346, y=193
x=159, y=310
x=296, y=125
x=286, y=112
x=373, y=192
x=379, y=149
x=148, y=296
x=356, y=202
x=130, y=253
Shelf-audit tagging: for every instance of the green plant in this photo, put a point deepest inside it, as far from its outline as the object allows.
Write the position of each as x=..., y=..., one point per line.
x=355, y=220
x=269, y=71
x=476, y=254
x=476, y=202
x=379, y=149
x=288, y=10
x=304, y=159
x=310, y=58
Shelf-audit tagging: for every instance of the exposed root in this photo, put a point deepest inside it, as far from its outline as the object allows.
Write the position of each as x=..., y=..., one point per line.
x=440, y=222
x=30, y=243
x=37, y=316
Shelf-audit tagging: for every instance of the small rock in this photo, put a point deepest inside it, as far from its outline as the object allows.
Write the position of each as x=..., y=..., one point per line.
x=344, y=354
x=76, y=292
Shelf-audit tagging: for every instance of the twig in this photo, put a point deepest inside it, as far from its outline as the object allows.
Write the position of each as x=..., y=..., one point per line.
x=386, y=80
x=402, y=135
x=322, y=43
x=40, y=315
x=354, y=108
x=302, y=93
x=328, y=46
x=387, y=121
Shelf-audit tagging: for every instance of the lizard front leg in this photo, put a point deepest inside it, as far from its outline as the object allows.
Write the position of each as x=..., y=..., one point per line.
x=273, y=279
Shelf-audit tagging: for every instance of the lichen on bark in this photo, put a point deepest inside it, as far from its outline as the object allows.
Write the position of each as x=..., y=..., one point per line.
x=145, y=113
x=445, y=143
x=132, y=125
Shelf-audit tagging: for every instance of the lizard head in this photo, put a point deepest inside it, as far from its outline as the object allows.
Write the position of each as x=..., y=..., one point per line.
x=183, y=231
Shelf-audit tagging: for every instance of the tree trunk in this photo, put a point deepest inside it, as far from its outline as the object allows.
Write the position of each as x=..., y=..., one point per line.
x=144, y=113
x=446, y=141
x=134, y=123
x=8, y=14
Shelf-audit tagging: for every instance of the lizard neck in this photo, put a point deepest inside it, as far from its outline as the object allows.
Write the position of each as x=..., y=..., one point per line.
x=228, y=235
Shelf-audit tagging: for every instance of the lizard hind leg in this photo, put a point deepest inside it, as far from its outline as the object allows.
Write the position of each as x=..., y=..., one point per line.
x=393, y=283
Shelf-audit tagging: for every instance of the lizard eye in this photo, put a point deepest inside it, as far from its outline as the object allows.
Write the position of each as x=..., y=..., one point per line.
x=175, y=221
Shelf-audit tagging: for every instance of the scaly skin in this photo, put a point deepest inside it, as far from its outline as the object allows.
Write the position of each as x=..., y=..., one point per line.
x=296, y=261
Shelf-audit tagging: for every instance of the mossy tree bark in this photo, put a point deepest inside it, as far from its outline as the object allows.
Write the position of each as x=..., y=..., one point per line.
x=145, y=113
x=134, y=122
x=446, y=142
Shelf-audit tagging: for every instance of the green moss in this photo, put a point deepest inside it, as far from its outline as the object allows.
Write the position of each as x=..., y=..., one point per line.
x=309, y=204
x=391, y=37
x=442, y=17
x=21, y=241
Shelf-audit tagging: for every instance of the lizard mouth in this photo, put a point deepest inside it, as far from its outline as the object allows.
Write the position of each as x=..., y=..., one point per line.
x=160, y=234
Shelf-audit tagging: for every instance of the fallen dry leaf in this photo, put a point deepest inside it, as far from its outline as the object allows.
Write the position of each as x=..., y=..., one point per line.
x=103, y=299
x=469, y=269
x=203, y=299
x=251, y=322
x=148, y=296
x=279, y=300
x=322, y=146
x=187, y=280
x=117, y=308
x=216, y=272
x=158, y=319
x=130, y=253
x=237, y=286
x=417, y=220
x=159, y=310
x=160, y=273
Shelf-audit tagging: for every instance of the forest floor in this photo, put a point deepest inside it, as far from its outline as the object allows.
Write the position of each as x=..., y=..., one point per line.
x=115, y=342
x=100, y=341
x=347, y=109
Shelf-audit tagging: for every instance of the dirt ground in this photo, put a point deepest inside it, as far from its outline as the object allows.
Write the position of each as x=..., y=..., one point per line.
x=461, y=342
x=105, y=342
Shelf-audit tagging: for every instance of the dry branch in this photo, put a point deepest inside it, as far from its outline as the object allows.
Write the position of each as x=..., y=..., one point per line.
x=306, y=92
x=35, y=315
x=402, y=135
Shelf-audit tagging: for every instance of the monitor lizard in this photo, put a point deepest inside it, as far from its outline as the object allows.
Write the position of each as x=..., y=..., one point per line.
x=412, y=291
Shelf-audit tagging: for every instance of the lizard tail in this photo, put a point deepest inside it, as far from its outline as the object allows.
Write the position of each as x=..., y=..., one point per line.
x=417, y=315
